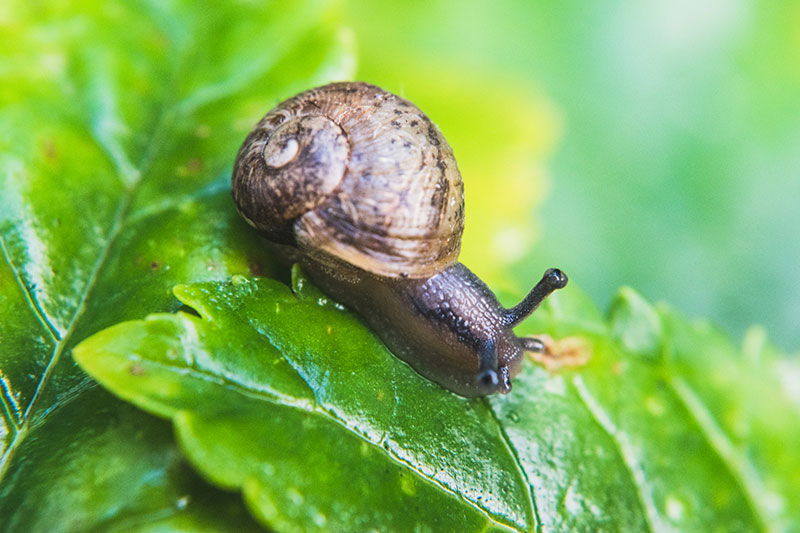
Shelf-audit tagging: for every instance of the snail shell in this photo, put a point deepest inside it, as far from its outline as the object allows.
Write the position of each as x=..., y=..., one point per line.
x=353, y=173
x=365, y=192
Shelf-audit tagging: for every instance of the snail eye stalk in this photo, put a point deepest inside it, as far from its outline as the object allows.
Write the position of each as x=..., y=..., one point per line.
x=552, y=280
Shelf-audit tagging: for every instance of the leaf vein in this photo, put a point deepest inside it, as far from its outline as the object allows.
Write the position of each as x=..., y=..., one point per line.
x=602, y=419
x=332, y=415
x=741, y=470
x=10, y=405
x=313, y=408
x=33, y=302
x=531, y=499
x=132, y=176
x=60, y=346
x=215, y=187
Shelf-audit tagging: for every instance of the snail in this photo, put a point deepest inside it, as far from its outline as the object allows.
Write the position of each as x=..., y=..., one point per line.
x=361, y=188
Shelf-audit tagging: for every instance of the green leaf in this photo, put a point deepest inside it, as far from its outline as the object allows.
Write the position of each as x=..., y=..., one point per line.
x=119, y=122
x=288, y=398
x=245, y=371
x=119, y=472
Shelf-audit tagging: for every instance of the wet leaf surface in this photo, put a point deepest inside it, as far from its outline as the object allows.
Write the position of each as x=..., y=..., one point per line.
x=290, y=399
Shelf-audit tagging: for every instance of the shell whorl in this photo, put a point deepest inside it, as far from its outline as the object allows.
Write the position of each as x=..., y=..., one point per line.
x=351, y=171
x=287, y=166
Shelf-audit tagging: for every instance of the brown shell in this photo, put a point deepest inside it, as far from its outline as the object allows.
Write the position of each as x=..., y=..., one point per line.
x=358, y=173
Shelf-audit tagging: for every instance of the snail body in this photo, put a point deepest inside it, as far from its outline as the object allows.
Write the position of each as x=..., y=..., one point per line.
x=361, y=188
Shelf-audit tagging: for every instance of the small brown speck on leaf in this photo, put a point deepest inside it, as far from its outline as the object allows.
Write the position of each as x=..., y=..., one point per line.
x=136, y=369
x=49, y=149
x=155, y=265
x=194, y=165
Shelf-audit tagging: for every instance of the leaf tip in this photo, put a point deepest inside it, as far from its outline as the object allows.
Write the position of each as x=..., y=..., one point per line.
x=191, y=296
x=181, y=291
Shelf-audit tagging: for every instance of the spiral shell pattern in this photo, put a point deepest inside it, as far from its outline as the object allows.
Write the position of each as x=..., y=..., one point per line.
x=349, y=172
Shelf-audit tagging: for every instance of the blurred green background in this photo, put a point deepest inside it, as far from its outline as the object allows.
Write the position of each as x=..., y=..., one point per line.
x=654, y=144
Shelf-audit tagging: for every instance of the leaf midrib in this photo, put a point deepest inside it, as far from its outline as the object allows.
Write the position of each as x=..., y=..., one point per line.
x=168, y=111
x=123, y=206
x=738, y=467
x=533, y=508
x=603, y=421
